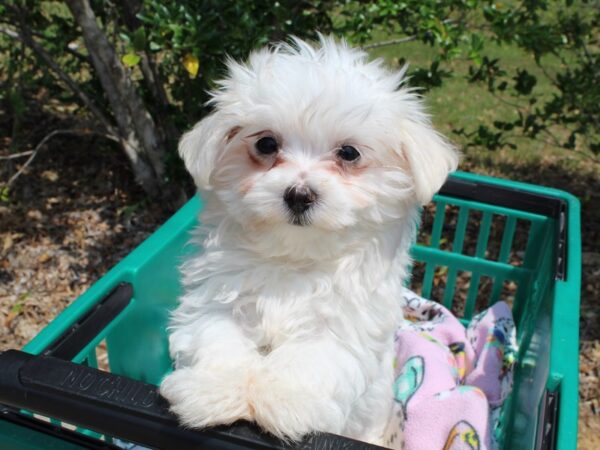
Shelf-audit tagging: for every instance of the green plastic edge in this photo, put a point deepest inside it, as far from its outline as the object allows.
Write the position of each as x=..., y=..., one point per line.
x=564, y=348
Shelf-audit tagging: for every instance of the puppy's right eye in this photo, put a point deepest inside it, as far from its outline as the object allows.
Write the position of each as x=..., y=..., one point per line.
x=266, y=145
x=348, y=153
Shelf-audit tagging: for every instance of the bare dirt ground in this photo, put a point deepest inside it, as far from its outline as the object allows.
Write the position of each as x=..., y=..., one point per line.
x=67, y=221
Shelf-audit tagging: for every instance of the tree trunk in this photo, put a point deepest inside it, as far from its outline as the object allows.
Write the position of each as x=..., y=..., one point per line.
x=160, y=104
x=140, y=141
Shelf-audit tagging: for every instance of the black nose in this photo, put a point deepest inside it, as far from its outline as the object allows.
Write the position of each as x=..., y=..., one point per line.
x=299, y=198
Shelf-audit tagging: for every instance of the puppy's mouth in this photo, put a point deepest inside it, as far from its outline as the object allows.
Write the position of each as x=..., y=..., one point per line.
x=300, y=220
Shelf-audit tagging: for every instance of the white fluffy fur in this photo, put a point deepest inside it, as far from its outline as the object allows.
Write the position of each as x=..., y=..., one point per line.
x=292, y=326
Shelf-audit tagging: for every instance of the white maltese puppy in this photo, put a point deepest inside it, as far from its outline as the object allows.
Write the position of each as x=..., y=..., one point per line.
x=312, y=167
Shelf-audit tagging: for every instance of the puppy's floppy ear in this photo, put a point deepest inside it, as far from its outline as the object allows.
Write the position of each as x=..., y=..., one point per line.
x=200, y=148
x=430, y=157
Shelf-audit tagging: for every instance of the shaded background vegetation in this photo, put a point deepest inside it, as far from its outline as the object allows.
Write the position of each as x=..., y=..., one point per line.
x=137, y=71
x=86, y=174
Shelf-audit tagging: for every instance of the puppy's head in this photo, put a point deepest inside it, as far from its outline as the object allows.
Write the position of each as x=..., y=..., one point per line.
x=316, y=137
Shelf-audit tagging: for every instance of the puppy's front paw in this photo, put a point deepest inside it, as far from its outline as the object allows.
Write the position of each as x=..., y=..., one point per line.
x=288, y=410
x=201, y=397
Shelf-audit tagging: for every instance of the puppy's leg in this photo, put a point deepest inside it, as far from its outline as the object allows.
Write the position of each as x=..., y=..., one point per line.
x=307, y=386
x=375, y=410
x=212, y=388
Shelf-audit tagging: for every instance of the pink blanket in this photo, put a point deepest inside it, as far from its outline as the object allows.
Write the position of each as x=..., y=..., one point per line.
x=450, y=381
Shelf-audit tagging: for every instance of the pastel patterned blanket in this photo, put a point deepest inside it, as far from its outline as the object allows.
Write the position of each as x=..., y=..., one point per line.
x=450, y=381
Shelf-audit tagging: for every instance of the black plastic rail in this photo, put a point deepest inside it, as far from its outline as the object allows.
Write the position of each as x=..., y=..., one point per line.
x=125, y=408
x=548, y=425
x=82, y=332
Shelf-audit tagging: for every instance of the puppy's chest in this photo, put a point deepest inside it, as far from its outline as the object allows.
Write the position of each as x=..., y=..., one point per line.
x=269, y=317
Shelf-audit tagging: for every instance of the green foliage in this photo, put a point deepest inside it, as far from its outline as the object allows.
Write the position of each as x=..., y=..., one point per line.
x=211, y=30
x=187, y=42
x=553, y=34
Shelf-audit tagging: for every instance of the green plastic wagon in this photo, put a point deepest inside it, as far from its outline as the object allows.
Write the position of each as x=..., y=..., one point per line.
x=511, y=241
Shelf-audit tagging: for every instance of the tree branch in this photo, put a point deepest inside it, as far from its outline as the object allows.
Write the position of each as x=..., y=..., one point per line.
x=581, y=153
x=80, y=56
x=389, y=42
x=399, y=40
x=143, y=144
x=28, y=40
x=506, y=102
x=33, y=153
x=17, y=155
x=547, y=74
x=556, y=144
x=160, y=106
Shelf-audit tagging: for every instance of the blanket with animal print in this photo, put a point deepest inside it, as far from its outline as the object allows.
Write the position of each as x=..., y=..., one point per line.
x=450, y=381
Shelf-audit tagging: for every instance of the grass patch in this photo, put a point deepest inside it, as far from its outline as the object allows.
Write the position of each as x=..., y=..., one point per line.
x=460, y=104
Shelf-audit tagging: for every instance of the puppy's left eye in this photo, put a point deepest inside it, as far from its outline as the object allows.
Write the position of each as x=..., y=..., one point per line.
x=348, y=153
x=267, y=145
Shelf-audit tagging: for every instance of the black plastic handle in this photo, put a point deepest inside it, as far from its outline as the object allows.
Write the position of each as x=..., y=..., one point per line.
x=87, y=327
x=125, y=408
x=548, y=423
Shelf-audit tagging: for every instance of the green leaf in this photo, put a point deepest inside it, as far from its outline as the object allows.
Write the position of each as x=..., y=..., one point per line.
x=4, y=194
x=191, y=64
x=524, y=82
x=139, y=39
x=131, y=59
